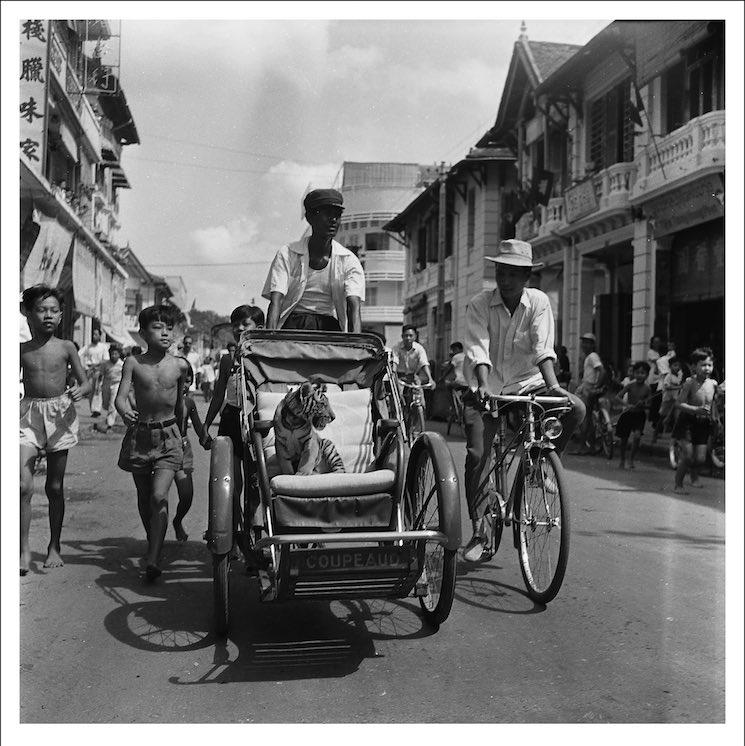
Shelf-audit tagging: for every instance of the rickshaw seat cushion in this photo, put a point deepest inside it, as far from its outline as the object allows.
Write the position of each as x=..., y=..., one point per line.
x=350, y=511
x=334, y=484
x=351, y=432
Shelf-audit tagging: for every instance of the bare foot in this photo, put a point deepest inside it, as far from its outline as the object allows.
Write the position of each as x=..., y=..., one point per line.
x=697, y=485
x=181, y=535
x=152, y=572
x=53, y=557
x=25, y=561
x=679, y=490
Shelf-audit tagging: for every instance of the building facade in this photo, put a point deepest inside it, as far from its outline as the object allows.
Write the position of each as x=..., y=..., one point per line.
x=627, y=138
x=373, y=194
x=74, y=122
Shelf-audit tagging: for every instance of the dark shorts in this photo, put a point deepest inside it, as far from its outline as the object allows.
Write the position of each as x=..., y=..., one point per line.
x=188, y=465
x=312, y=321
x=630, y=422
x=230, y=425
x=695, y=429
x=145, y=449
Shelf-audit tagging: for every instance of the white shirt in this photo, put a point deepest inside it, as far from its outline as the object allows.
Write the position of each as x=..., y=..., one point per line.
x=409, y=361
x=317, y=295
x=512, y=346
x=207, y=371
x=591, y=369
x=92, y=355
x=115, y=373
x=289, y=272
x=193, y=357
x=652, y=357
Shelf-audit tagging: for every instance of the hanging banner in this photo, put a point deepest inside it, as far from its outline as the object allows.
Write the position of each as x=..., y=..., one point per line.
x=84, y=278
x=45, y=262
x=33, y=85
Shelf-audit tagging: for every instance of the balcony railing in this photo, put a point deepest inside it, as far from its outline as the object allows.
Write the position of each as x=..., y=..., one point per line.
x=382, y=314
x=696, y=146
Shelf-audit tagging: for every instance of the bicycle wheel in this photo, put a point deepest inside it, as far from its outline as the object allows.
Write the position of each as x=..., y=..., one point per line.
x=221, y=592
x=431, y=502
x=492, y=524
x=542, y=523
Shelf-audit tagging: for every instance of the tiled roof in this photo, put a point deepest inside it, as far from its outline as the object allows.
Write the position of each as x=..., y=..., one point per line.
x=549, y=56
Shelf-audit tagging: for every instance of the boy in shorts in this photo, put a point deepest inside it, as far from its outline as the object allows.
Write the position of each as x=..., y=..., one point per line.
x=636, y=395
x=184, y=483
x=49, y=421
x=152, y=449
x=695, y=415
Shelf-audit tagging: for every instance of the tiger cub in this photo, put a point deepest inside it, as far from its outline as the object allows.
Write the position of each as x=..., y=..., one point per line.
x=300, y=450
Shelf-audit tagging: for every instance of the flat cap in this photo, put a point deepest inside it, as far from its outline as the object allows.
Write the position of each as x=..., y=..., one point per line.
x=320, y=197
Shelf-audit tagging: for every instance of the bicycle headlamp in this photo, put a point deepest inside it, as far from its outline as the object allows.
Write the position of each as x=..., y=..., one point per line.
x=552, y=427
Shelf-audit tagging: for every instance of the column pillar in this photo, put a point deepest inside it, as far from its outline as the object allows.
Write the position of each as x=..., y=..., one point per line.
x=571, y=307
x=644, y=249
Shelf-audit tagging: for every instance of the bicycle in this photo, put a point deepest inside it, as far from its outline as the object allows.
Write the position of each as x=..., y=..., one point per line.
x=414, y=408
x=604, y=431
x=456, y=409
x=537, y=507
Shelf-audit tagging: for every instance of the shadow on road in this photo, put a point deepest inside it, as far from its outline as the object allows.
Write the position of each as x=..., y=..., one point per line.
x=477, y=586
x=267, y=641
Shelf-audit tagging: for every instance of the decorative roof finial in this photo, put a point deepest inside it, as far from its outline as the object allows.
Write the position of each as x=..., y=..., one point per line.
x=523, y=31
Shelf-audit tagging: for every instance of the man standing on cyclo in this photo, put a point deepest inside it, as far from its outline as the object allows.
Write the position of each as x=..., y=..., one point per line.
x=410, y=360
x=509, y=350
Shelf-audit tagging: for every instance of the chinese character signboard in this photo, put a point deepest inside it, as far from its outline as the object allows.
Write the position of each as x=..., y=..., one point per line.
x=692, y=204
x=580, y=200
x=33, y=83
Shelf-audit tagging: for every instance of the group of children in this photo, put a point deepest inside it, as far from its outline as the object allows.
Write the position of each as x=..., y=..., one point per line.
x=149, y=390
x=689, y=404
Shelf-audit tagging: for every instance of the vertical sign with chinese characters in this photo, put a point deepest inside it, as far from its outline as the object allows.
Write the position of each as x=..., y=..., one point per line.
x=33, y=82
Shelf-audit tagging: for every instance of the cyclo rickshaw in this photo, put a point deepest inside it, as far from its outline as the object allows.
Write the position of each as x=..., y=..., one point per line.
x=389, y=526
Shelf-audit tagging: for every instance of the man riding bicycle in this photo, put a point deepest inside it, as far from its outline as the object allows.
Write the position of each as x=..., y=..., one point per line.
x=409, y=360
x=509, y=350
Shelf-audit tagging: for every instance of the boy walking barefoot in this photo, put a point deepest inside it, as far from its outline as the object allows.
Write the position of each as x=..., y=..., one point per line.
x=152, y=449
x=184, y=483
x=631, y=422
x=49, y=421
x=696, y=411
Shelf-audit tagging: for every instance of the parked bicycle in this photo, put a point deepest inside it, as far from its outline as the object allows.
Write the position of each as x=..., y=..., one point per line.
x=526, y=468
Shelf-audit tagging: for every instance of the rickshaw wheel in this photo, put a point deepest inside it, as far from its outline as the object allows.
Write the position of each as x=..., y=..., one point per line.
x=221, y=592
x=431, y=503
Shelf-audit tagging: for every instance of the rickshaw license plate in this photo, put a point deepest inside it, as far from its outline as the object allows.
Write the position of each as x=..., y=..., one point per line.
x=354, y=559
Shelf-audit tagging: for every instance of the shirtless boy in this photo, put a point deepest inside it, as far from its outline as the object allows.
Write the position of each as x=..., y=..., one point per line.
x=636, y=395
x=49, y=421
x=152, y=449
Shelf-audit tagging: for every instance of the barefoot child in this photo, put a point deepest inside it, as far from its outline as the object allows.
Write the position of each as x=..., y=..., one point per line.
x=631, y=422
x=152, y=449
x=48, y=417
x=695, y=414
x=184, y=483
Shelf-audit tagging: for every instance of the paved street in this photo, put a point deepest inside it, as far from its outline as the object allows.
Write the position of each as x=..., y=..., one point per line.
x=636, y=633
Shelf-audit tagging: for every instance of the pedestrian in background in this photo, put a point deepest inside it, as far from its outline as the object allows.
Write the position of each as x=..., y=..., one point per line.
x=563, y=371
x=92, y=356
x=207, y=376
x=49, y=422
x=671, y=384
x=112, y=376
x=695, y=414
x=635, y=395
x=183, y=478
x=192, y=357
x=590, y=387
x=654, y=353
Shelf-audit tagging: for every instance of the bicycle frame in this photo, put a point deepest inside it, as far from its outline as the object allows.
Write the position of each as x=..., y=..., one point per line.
x=525, y=439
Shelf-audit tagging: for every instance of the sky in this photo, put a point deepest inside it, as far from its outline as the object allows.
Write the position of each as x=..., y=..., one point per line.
x=238, y=117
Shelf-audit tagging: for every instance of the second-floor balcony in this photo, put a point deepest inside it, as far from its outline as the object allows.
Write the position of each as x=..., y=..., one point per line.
x=382, y=314
x=428, y=278
x=385, y=265
x=690, y=151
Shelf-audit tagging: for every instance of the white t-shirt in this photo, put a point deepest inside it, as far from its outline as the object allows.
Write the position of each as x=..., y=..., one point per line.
x=317, y=295
x=92, y=355
x=652, y=357
x=115, y=373
x=193, y=357
x=207, y=371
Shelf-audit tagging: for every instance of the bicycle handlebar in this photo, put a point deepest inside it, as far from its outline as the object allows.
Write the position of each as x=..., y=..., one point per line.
x=429, y=385
x=536, y=399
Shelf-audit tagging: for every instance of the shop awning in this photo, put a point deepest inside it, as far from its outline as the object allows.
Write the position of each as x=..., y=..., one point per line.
x=124, y=338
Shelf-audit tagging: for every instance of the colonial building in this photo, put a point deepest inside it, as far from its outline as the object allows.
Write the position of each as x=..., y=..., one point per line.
x=622, y=148
x=74, y=121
